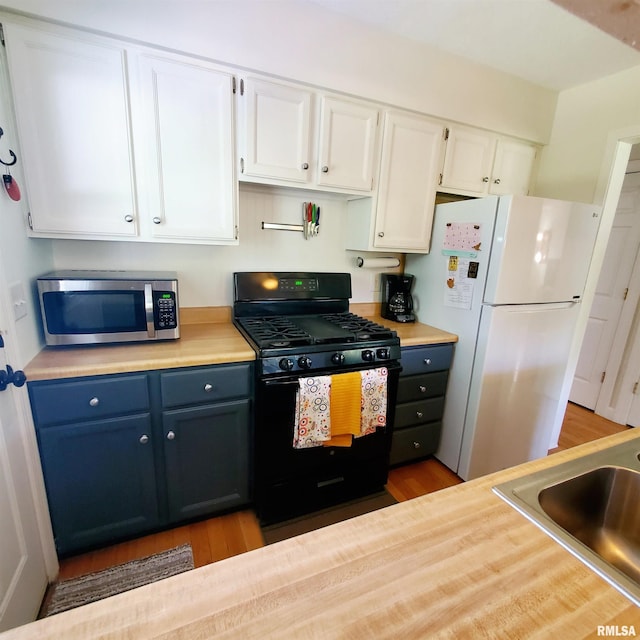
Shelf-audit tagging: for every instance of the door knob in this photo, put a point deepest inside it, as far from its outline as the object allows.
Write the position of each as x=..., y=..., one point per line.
x=9, y=376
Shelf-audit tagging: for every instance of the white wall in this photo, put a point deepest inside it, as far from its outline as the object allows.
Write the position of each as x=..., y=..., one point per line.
x=309, y=44
x=205, y=272
x=21, y=258
x=589, y=119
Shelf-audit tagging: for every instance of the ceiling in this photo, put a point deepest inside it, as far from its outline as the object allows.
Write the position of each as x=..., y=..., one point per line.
x=533, y=39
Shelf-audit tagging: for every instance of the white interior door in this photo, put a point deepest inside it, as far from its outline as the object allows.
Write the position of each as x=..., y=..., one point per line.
x=610, y=297
x=633, y=418
x=23, y=578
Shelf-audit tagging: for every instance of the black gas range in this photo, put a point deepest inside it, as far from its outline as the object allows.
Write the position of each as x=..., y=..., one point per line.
x=300, y=326
x=300, y=323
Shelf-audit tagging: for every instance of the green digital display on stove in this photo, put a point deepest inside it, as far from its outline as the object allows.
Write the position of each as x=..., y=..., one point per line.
x=298, y=284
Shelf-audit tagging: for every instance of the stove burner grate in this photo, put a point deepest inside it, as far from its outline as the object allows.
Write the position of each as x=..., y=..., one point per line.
x=291, y=331
x=362, y=328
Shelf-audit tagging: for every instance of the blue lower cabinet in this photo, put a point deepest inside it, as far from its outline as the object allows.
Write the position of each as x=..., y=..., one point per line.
x=420, y=402
x=206, y=451
x=126, y=454
x=100, y=479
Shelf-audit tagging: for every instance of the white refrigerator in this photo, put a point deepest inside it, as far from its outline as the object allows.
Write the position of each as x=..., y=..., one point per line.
x=506, y=274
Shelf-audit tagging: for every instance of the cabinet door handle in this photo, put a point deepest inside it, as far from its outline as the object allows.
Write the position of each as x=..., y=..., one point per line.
x=94, y=402
x=305, y=165
x=496, y=181
x=485, y=179
x=325, y=169
x=128, y=218
x=419, y=414
x=422, y=388
x=416, y=445
x=208, y=387
x=171, y=435
x=144, y=439
x=427, y=360
x=381, y=234
x=156, y=220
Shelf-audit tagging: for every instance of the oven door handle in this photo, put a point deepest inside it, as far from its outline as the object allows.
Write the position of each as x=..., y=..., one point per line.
x=391, y=367
x=287, y=383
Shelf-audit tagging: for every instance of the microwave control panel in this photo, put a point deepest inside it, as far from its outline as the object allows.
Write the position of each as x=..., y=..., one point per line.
x=165, y=315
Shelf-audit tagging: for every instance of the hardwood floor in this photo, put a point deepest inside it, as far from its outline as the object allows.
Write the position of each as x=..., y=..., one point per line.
x=581, y=425
x=228, y=535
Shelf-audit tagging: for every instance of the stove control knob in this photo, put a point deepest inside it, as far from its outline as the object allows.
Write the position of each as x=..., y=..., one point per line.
x=337, y=358
x=304, y=362
x=368, y=355
x=383, y=353
x=286, y=364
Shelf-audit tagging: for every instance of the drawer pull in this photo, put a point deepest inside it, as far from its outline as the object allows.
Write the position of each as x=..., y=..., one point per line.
x=208, y=387
x=427, y=360
x=144, y=439
x=419, y=414
x=171, y=435
x=416, y=445
x=422, y=388
x=94, y=402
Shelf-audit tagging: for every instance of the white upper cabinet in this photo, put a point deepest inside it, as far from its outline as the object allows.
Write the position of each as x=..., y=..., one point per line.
x=185, y=144
x=512, y=167
x=348, y=136
x=72, y=112
x=275, y=130
x=401, y=217
x=291, y=135
x=122, y=143
x=468, y=160
x=479, y=163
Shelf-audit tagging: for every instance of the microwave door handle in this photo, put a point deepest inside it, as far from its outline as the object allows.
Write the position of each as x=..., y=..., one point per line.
x=148, y=310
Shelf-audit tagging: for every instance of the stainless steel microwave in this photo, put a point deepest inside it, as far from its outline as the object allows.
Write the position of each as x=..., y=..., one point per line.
x=97, y=307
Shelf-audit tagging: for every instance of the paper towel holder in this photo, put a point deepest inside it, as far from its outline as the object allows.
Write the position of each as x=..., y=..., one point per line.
x=378, y=263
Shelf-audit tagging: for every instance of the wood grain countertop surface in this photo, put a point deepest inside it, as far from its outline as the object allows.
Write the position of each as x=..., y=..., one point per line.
x=458, y=563
x=207, y=337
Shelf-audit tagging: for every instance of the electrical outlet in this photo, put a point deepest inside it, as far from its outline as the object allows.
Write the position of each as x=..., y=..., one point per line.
x=18, y=300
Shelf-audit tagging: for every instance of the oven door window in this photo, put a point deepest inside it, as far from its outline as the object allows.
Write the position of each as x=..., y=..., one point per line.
x=94, y=312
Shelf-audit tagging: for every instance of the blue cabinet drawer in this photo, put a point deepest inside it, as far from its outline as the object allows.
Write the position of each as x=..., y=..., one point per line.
x=84, y=399
x=411, y=413
x=427, y=385
x=417, y=360
x=415, y=442
x=205, y=385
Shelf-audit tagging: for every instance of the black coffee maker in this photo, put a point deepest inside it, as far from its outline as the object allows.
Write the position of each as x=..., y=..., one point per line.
x=397, y=303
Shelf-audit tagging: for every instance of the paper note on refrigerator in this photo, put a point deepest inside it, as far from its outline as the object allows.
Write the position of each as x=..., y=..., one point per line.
x=459, y=282
x=462, y=238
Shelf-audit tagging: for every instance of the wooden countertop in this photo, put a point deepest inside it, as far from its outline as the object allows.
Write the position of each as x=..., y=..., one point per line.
x=457, y=563
x=207, y=337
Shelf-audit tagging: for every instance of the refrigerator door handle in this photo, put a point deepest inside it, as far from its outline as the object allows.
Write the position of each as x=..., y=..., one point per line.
x=536, y=306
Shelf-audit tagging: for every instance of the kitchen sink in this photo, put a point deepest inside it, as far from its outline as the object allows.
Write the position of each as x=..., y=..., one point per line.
x=591, y=506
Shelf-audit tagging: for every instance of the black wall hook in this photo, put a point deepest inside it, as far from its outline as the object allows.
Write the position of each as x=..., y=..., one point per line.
x=13, y=155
